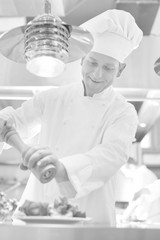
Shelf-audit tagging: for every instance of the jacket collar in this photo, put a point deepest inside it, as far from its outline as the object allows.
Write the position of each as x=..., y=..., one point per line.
x=102, y=96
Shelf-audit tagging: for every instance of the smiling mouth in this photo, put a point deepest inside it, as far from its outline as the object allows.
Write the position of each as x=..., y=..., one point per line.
x=94, y=81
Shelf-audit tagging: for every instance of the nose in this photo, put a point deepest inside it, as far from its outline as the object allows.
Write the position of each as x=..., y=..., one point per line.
x=98, y=72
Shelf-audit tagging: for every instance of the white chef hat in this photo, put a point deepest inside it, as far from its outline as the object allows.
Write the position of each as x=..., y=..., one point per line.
x=115, y=33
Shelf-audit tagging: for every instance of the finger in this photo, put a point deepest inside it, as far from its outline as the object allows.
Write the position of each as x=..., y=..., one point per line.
x=9, y=123
x=5, y=127
x=29, y=152
x=6, y=123
x=49, y=159
x=37, y=157
x=22, y=167
x=2, y=124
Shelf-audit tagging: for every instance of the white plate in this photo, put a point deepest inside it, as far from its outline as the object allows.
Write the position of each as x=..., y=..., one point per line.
x=52, y=220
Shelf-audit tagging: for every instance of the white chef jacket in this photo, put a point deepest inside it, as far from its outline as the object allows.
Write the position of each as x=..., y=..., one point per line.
x=92, y=137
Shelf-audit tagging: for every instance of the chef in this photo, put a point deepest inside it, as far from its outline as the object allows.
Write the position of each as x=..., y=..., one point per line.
x=86, y=128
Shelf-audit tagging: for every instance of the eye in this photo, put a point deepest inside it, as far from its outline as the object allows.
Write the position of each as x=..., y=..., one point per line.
x=108, y=68
x=92, y=63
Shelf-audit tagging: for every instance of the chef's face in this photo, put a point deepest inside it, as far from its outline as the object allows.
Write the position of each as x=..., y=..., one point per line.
x=99, y=72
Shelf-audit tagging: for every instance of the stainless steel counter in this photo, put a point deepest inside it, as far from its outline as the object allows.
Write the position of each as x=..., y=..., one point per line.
x=75, y=232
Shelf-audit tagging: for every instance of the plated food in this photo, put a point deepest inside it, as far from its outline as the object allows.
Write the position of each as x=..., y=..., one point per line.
x=7, y=207
x=60, y=207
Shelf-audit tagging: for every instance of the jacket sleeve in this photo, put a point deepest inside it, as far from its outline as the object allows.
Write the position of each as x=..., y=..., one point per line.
x=27, y=118
x=93, y=169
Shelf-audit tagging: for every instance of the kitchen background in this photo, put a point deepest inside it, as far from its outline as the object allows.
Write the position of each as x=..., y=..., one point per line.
x=139, y=83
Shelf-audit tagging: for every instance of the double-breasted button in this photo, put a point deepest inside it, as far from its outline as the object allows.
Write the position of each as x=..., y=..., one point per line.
x=103, y=104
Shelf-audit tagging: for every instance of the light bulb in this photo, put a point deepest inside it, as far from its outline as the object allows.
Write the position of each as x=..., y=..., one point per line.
x=45, y=66
x=46, y=46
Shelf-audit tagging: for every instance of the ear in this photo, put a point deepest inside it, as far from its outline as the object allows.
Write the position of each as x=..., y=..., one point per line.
x=121, y=68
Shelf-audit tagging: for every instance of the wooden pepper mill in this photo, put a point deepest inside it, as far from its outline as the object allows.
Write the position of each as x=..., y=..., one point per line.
x=44, y=174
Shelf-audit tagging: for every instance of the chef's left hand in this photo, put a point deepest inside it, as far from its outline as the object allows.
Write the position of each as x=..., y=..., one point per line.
x=43, y=156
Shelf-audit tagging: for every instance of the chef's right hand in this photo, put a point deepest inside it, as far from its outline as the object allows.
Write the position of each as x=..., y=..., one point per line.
x=5, y=126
